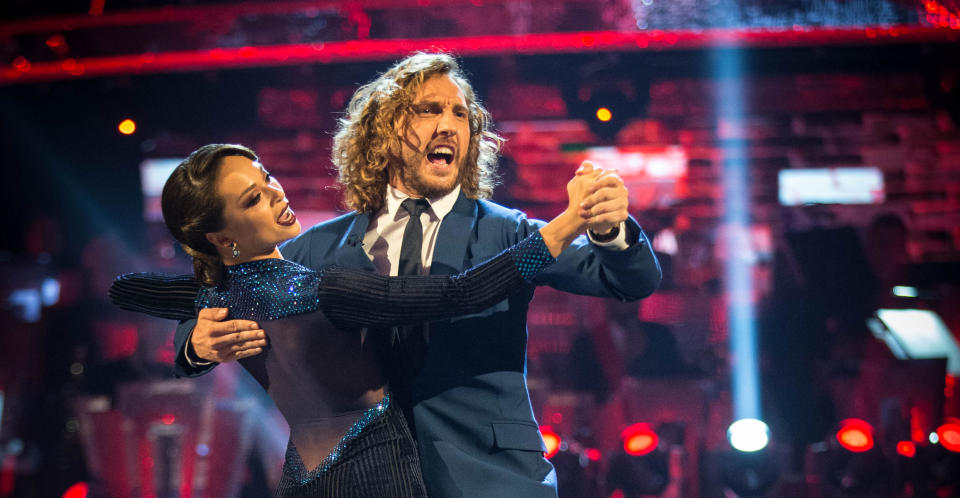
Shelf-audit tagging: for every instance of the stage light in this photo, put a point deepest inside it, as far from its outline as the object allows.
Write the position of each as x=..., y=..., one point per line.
x=855, y=435
x=127, y=127
x=551, y=440
x=78, y=490
x=748, y=435
x=604, y=114
x=905, y=291
x=639, y=439
x=21, y=64
x=168, y=419
x=907, y=449
x=948, y=435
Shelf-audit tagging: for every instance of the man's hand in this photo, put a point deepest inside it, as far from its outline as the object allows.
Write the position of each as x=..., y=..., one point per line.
x=606, y=204
x=216, y=339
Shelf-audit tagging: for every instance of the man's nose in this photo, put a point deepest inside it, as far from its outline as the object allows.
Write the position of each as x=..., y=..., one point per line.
x=446, y=125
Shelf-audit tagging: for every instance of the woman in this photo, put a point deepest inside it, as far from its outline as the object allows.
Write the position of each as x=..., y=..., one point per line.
x=346, y=438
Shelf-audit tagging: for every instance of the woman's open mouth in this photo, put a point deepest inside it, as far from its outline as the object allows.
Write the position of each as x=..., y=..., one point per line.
x=287, y=217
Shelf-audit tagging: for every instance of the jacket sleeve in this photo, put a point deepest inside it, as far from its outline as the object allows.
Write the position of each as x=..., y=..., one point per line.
x=588, y=269
x=354, y=298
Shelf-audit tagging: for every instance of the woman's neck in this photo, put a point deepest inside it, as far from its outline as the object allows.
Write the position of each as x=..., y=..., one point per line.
x=230, y=261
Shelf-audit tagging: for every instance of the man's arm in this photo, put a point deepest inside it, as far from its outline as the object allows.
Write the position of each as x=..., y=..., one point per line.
x=590, y=269
x=618, y=260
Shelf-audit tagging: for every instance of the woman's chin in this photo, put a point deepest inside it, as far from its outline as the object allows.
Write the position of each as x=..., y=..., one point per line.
x=291, y=231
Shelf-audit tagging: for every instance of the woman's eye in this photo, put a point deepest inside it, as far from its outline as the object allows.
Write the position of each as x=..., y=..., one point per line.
x=254, y=200
x=269, y=178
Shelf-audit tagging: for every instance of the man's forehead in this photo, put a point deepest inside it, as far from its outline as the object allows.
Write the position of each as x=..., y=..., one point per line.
x=440, y=87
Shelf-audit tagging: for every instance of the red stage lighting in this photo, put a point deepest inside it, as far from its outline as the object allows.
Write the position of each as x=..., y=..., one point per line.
x=593, y=454
x=168, y=419
x=907, y=449
x=551, y=440
x=639, y=439
x=855, y=435
x=949, y=434
x=78, y=490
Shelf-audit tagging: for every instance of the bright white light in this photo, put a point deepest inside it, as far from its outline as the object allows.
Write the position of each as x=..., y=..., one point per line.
x=934, y=438
x=905, y=291
x=921, y=334
x=50, y=291
x=748, y=435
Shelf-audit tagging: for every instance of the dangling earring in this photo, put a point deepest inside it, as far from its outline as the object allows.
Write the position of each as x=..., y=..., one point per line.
x=236, y=253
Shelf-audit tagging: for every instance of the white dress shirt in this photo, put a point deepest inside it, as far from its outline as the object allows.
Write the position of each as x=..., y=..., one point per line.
x=385, y=233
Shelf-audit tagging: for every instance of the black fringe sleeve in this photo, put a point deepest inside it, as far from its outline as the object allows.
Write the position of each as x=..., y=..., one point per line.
x=354, y=298
x=164, y=296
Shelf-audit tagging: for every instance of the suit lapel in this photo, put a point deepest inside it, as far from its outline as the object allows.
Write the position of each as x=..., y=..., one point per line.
x=350, y=251
x=454, y=236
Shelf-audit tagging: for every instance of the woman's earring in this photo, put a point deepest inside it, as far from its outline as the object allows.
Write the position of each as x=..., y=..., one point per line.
x=236, y=253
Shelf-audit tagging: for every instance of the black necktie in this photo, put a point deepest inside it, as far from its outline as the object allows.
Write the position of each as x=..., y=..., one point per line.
x=411, y=249
x=410, y=340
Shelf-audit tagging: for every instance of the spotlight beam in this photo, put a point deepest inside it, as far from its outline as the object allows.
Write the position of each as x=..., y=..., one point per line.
x=728, y=71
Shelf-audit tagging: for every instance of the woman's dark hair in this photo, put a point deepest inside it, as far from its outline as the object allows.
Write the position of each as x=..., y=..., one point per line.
x=192, y=208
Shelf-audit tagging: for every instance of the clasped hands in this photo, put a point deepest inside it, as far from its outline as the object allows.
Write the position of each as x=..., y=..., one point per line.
x=602, y=197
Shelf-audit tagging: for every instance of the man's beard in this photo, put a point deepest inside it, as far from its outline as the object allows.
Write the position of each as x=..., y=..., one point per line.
x=411, y=177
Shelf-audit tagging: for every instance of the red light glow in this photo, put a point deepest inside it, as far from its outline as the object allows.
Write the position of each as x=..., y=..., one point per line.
x=21, y=64
x=639, y=439
x=78, y=490
x=949, y=434
x=592, y=454
x=855, y=435
x=478, y=46
x=56, y=41
x=168, y=419
x=551, y=440
x=907, y=449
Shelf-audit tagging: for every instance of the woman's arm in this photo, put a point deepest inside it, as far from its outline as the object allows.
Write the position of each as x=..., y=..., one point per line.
x=353, y=298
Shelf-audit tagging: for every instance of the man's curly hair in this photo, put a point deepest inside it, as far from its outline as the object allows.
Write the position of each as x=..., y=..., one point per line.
x=366, y=140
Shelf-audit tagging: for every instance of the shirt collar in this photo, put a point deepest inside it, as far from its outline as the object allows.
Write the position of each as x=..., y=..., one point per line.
x=440, y=206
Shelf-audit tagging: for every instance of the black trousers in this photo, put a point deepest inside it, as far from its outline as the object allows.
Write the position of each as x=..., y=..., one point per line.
x=381, y=462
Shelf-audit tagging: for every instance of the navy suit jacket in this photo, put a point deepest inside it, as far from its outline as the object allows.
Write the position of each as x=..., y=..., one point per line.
x=474, y=422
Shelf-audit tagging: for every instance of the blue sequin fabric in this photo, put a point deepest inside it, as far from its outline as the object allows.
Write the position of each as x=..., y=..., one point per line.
x=294, y=464
x=265, y=289
x=531, y=255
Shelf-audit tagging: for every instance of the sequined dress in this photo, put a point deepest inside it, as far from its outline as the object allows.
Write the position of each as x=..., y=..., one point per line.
x=346, y=437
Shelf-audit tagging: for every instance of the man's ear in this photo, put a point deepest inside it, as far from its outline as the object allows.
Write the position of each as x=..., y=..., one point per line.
x=218, y=239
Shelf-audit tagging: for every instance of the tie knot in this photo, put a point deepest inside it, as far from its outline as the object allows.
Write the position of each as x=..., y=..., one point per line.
x=415, y=206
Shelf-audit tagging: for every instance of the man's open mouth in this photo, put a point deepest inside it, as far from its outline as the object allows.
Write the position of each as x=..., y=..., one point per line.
x=441, y=155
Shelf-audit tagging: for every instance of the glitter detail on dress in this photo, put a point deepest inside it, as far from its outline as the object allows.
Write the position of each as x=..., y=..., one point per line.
x=265, y=289
x=294, y=464
x=531, y=255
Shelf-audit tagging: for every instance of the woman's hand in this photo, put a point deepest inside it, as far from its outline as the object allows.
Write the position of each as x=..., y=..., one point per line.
x=562, y=230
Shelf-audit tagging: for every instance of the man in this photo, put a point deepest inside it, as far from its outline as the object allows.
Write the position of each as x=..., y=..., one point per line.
x=417, y=132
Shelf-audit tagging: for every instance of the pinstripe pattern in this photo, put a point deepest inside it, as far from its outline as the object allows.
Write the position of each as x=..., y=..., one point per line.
x=381, y=462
